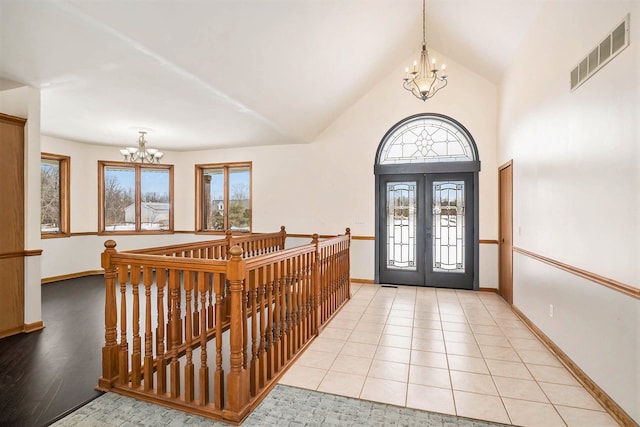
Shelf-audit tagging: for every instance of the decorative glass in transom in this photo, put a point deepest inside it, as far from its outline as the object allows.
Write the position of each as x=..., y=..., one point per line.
x=425, y=140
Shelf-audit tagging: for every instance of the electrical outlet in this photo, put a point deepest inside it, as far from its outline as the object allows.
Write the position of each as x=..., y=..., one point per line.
x=550, y=310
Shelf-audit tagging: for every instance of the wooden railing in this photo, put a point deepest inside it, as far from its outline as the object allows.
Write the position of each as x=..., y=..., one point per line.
x=212, y=336
x=251, y=244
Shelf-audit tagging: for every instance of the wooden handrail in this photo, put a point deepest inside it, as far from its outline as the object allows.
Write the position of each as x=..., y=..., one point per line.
x=252, y=244
x=246, y=317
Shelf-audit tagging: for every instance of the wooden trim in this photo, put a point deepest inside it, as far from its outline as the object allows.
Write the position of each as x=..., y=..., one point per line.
x=138, y=168
x=84, y=233
x=363, y=238
x=355, y=237
x=489, y=242
x=600, y=395
x=629, y=290
x=494, y=290
x=32, y=252
x=52, y=279
x=225, y=167
x=183, y=232
x=505, y=165
x=364, y=281
x=12, y=119
x=14, y=330
x=54, y=235
x=309, y=236
x=32, y=327
x=64, y=165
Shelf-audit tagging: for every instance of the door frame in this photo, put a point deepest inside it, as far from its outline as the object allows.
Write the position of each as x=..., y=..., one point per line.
x=382, y=170
x=505, y=258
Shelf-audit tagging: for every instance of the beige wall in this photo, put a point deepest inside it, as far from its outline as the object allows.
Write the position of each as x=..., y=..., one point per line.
x=576, y=189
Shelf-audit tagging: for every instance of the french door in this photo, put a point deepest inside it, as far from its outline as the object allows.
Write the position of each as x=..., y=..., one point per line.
x=426, y=229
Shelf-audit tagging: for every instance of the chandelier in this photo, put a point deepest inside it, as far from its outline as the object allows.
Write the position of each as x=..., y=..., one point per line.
x=426, y=80
x=141, y=153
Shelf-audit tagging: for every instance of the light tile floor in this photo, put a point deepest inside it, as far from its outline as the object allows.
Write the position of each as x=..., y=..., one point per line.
x=455, y=352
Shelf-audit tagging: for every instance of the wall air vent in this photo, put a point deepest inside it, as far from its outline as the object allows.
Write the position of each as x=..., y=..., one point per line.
x=605, y=51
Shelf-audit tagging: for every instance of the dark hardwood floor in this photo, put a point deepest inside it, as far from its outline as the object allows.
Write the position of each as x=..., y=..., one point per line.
x=46, y=374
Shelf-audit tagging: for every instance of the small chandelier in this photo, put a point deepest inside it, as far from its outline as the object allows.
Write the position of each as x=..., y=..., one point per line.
x=141, y=153
x=424, y=81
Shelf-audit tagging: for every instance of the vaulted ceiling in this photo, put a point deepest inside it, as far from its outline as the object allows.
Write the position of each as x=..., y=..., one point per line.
x=219, y=73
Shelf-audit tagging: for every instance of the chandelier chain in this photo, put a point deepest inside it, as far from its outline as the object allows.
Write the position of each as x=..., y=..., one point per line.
x=424, y=23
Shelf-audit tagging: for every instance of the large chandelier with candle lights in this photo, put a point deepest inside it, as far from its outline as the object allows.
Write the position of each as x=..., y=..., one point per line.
x=426, y=79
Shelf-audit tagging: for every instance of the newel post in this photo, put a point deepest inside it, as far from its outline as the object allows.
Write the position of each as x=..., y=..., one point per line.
x=228, y=235
x=110, y=349
x=283, y=233
x=238, y=377
x=316, y=288
x=348, y=261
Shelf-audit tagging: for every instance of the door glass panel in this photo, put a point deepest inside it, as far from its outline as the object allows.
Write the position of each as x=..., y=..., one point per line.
x=448, y=226
x=401, y=225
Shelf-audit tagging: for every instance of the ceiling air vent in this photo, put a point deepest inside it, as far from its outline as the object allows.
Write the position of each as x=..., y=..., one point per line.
x=605, y=51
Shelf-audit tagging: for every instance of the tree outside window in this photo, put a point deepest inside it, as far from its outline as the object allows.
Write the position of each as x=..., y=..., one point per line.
x=135, y=197
x=54, y=195
x=224, y=197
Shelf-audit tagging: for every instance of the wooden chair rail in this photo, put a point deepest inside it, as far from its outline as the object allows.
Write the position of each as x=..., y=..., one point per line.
x=212, y=336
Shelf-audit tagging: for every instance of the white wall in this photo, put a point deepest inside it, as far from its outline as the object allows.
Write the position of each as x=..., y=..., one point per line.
x=322, y=187
x=576, y=188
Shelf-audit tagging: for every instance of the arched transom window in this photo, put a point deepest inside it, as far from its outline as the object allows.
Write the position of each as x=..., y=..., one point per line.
x=426, y=139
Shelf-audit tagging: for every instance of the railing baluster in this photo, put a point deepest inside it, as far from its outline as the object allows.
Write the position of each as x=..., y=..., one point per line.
x=218, y=385
x=189, y=386
x=262, y=349
x=245, y=326
x=298, y=303
x=277, y=319
x=203, y=286
x=211, y=311
x=123, y=358
x=253, y=289
x=161, y=368
x=147, y=280
x=175, y=328
x=270, y=345
x=136, y=356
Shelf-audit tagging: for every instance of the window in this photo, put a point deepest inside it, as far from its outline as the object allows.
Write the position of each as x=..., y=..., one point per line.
x=135, y=197
x=426, y=139
x=223, y=197
x=54, y=195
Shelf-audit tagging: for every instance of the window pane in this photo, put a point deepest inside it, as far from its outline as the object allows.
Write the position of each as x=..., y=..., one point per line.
x=425, y=140
x=213, y=203
x=239, y=199
x=154, y=189
x=448, y=226
x=49, y=196
x=401, y=225
x=119, y=198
